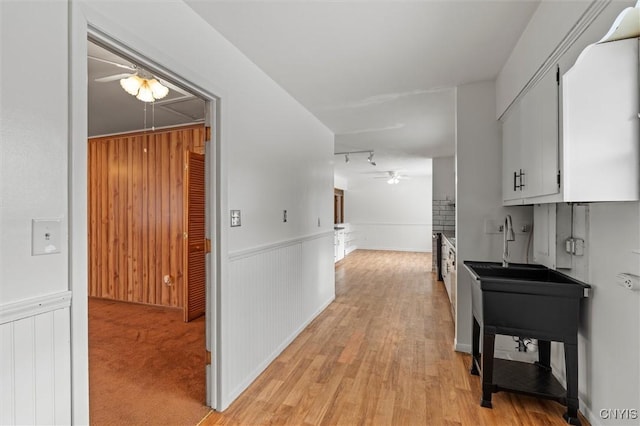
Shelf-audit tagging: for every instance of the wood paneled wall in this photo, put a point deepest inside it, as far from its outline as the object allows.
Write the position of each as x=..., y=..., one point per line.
x=136, y=216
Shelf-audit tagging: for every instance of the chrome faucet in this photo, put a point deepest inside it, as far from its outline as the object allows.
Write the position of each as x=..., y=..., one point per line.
x=509, y=235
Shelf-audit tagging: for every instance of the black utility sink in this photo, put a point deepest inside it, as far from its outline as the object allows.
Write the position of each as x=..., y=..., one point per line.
x=528, y=301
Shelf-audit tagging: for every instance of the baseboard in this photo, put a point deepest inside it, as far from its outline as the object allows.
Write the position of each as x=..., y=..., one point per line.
x=260, y=368
x=462, y=347
x=584, y=408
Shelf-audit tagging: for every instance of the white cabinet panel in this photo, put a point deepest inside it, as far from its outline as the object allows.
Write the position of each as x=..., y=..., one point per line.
x=600, y=124
x=583, y=146
x=511, y=147
x=530, y=143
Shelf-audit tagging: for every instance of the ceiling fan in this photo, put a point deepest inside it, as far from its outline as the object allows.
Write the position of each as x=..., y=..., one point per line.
x=139, y=82
x=132, y=68
x=393, y=177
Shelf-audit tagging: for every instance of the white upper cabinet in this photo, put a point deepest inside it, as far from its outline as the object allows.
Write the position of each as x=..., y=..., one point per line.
x=578, y=141
x=530, y=143
x=600, y=122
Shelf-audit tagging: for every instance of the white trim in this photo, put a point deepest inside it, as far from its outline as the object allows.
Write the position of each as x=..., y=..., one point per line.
x=389, y=224
x=404, y=249
x=590, y=14
x=260, y=368
x=34, y=306
x=155, y=129
x=462, y=347
x=241, y=254
x=560, y=375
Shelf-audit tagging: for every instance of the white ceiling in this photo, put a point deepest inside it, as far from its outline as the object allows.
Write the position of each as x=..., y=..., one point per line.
x=112, y=110
x=379, y=74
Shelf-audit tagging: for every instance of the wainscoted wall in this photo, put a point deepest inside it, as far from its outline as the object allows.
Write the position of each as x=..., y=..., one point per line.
x=393, y=236
x=35, y=361
x=390, y=217
x=274, y=292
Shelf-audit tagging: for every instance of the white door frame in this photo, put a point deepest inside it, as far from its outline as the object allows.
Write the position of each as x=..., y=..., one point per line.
x=84, y=25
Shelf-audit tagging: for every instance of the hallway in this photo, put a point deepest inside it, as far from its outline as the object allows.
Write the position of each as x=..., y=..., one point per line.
x=381, y=354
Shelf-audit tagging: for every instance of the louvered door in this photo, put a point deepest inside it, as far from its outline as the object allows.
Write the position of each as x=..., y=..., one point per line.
x=196, y=245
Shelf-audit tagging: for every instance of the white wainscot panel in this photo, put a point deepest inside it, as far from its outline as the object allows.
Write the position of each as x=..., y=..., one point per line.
x=393, y=236
x=35, y=361
x=273, y=293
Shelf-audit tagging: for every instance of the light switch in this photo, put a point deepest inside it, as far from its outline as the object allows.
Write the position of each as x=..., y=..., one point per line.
x=235, y=218
x=45, y=236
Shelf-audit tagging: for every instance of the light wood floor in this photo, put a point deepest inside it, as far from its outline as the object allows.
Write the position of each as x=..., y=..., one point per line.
x=381, y=354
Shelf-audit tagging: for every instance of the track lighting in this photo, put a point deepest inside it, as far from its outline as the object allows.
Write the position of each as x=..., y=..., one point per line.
x=370, y=158
x=347, y=153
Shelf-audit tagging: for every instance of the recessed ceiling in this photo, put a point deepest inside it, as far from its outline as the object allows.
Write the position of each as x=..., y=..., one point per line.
x=380, y=74
x=112, y=110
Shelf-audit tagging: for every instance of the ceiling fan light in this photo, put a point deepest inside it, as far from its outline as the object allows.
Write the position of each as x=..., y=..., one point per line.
x=159, y=91
x=145, y=94
x=131, y=84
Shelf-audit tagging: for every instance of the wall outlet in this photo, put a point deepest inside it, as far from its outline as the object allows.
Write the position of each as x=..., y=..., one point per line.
x=629, y=281
x=492, y=226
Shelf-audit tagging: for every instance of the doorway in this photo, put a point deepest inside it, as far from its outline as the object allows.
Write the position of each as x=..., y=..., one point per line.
x=157, y=217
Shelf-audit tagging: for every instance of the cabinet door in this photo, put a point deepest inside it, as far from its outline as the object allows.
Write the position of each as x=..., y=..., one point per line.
x=511, y=141
x=539, y=153
x=600, y=124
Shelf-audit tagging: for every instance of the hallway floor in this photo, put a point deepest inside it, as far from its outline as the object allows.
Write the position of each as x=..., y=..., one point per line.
x=381, y=354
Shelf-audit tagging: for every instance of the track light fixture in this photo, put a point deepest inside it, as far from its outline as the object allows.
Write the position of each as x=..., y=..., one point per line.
x=347, y=153
x=370, y=159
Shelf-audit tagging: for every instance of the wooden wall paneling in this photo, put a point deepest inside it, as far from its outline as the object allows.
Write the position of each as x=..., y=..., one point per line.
x=176, y=216
x=157, y=223
x=103, y=206
x=136, y=211
x=144, y=215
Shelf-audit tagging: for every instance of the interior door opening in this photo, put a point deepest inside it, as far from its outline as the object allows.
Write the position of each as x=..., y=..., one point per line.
x=149, y=223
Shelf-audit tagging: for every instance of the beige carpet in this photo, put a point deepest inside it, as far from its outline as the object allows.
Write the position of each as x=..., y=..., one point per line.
x=146, y=366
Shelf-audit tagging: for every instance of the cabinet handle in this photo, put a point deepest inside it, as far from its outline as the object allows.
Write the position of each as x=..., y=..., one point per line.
x=521, y=184
x=515, y=177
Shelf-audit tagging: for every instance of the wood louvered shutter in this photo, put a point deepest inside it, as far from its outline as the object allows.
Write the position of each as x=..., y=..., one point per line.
x=195, y=239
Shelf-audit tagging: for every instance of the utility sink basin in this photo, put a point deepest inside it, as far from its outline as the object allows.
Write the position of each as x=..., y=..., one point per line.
x=527, y=279
x=525, y=300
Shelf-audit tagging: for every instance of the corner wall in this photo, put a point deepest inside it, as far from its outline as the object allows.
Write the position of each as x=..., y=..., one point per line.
x=390, y=217
x=274, y=155
x=479, y=195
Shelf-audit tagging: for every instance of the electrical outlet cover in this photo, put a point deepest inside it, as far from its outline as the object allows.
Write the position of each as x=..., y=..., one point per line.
x=45, y=236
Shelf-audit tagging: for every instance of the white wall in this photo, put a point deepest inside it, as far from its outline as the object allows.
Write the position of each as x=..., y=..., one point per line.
x=34, y=302
x=274, y=155
x=444, y=178
x=609, y=348
x=340, y=182
x=479, y=195
x=390, y=217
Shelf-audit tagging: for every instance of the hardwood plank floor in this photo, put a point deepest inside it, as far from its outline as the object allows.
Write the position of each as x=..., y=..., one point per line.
x=381, y=354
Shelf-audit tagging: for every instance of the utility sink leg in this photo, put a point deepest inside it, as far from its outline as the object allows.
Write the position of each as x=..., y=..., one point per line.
x=475, y=347
x=488, y=341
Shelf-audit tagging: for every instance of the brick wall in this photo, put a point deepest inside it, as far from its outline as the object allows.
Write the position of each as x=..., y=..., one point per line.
x=444, y=220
